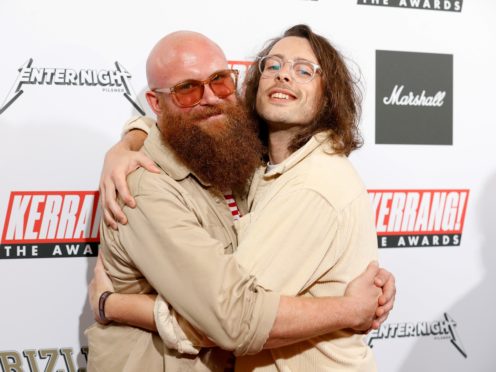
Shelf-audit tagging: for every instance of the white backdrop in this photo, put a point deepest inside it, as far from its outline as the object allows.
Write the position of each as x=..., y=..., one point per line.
x=56, y=126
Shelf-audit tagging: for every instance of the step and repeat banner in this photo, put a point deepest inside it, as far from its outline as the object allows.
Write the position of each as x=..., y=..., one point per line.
x=72, y=73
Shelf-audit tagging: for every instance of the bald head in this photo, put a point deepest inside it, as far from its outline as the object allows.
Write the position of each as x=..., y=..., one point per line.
x=182, y=55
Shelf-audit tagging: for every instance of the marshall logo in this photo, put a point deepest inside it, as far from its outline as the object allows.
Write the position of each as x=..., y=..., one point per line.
x=51, y=224
x=419, y=218
x=444, y=329
x=445, y=5
x=114, y=81
x=414, y=98
x=48, y=359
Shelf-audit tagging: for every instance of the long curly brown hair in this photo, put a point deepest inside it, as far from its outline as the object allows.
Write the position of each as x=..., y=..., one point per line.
x=341, y=99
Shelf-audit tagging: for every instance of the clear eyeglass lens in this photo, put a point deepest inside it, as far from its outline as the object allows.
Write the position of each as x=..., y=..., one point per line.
x=302, y=71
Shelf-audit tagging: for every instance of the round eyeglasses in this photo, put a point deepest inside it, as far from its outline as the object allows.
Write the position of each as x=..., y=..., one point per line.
x=302, y=71
x=189, y=93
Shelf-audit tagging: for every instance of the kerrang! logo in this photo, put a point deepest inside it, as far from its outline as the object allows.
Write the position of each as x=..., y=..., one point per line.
x=51, y=224
x=114, y=81
x=441, y=330
x=419, y=218
x=442, y=5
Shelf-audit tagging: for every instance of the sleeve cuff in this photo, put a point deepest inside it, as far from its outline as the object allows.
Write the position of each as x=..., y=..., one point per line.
x=170, y=331
x=268, y=308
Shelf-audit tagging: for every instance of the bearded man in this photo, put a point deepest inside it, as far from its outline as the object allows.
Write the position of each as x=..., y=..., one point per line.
x=179, y=237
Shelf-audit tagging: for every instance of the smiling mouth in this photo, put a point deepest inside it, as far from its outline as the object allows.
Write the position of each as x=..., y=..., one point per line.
x=282, y=96
x=279, y=96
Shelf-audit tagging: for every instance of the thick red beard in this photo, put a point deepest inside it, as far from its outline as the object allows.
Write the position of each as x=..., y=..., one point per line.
x=223, y=152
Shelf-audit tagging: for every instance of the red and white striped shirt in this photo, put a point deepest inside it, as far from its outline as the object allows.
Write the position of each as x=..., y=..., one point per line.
x=233, y=207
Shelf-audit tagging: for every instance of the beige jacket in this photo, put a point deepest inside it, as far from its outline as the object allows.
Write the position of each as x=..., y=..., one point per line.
x=309, y=233
x=177, y=242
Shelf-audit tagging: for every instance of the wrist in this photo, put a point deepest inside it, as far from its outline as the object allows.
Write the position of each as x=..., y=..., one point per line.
x=351, y=317
x=134, y=139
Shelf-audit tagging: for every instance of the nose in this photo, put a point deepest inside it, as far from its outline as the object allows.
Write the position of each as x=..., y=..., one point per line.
x=209, y=98
x=284, y=73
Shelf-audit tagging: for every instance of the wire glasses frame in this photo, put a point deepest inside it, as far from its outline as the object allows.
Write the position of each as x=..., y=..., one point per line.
x=302, y=70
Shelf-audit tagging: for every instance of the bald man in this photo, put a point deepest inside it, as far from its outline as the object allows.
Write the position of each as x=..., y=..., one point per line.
x=180, y=235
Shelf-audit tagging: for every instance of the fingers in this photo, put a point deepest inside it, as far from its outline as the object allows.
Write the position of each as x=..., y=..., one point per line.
x=107, y=215
x=376, y=323
x=147, y=163
x=388, y=289
x=118, y=163
x=382, y=312
x=120, y=184
x=386, y=308
x=382, y=277
x=111, y=210
x=109, y=219
x=137, y=160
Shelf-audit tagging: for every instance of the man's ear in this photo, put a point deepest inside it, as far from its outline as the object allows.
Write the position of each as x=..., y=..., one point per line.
x=153, y=101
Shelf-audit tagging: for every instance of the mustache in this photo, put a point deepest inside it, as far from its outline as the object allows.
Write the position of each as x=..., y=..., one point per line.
x=207, y=112
x=279, y=85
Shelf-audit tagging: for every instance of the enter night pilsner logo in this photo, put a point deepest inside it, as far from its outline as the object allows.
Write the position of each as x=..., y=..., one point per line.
x=116, y=80
x=419, y=218
x=414, y=98
x=443, y=329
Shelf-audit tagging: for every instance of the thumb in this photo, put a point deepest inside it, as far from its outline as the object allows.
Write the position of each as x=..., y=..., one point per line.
x=372, y=270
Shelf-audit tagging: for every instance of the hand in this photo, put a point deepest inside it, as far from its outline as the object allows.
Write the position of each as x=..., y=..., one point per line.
x=384, y=280
x=119, y=162
x=364, y=295
x=99, y=284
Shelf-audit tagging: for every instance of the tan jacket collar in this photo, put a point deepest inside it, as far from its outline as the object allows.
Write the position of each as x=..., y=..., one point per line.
x=318, y=139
